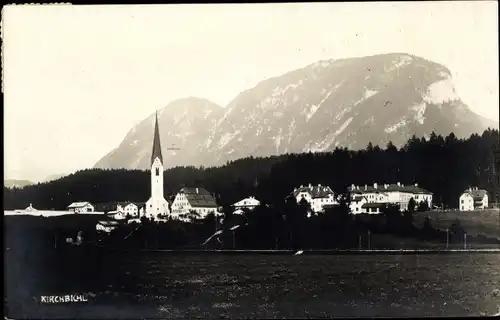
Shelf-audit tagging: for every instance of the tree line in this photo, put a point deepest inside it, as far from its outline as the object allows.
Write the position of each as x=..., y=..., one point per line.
x=445, y=166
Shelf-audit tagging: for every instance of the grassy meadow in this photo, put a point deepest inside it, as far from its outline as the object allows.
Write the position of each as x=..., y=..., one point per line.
x=477, y=222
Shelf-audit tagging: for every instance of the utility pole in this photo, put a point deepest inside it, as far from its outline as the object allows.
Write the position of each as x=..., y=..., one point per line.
x=234, y=240
x=369, y=233
x=465, y=240
x=359, y=242
x=447, y=237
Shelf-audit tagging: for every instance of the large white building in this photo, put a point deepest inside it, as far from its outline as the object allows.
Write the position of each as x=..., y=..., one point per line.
x=81, y=207
x=317, y=196
x=193, y=199
x=156, y=205
x=372, y=199
x=473, y=199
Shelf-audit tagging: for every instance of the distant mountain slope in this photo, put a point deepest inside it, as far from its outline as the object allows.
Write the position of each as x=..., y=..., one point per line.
x=345, y=103
x=11, y=183
x=53, y=177
x=184, y=124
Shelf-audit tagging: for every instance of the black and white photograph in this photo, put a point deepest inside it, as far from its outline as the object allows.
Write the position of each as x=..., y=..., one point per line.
x=251, y=160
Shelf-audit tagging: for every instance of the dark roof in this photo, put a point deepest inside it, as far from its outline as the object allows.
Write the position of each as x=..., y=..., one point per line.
x=389, y=188
x=156, y=143
x=315, y=191
x=373, y=205
x=126, y=203
x=199, y=198
x=357, y=198
x=329, y=206
x=478, y=195
x=111, y=206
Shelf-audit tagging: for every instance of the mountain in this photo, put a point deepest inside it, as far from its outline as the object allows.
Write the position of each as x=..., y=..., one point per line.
x=14, y=183
x=184, y=124
x=53, y=177
x=345, y=103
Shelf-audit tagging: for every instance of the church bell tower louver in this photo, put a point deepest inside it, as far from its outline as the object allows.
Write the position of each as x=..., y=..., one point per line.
x=156, y=205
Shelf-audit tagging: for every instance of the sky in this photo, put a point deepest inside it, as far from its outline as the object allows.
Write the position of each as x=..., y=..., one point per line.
x=78, y=78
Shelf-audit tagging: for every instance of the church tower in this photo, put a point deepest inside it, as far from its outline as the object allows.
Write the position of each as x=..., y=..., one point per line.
x=156, y=205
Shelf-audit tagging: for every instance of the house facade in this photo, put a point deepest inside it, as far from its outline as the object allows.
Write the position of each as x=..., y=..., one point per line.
x=128, y=208
x=361, y=197
x=473, y=199
x=317, y=196
x=198, y=200
x=247, y=203
x=81, y=207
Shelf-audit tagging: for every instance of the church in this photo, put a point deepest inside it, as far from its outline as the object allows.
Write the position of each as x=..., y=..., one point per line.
x=156, y=206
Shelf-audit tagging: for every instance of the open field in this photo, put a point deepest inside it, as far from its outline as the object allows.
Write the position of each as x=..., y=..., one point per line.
x=147, y=285
x=480, y=222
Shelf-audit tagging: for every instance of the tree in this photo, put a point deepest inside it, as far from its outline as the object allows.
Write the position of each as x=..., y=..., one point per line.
x=412, y=205
x=423, y=206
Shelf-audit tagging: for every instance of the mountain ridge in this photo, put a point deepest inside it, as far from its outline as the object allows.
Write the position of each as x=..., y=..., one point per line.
x=330, y=103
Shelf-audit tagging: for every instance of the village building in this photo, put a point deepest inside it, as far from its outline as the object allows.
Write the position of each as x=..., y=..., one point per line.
x=156, y=206
x=198, y=200
x=356, y=203
x=107, y=225
x=249, y=203
x=363, y=198
x=81, y=207
x=317, y=196
x=128, y=208
x=473, y=199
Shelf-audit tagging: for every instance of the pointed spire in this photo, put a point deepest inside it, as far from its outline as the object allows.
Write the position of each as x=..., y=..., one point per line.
x=156, y=143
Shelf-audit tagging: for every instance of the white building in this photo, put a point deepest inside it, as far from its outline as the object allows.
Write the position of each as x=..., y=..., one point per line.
x=193, y=199
x=156, y=205
x=81, y=207
x=117, y=215
x=473, y=199
x=356, y=203
x=106, y=226
x=247, y=203
x=383, y=194
x=317, y=196
x=128, y=208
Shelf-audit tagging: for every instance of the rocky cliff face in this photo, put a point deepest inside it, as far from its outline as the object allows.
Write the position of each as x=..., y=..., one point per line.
x=344, y=103
x=184, y=124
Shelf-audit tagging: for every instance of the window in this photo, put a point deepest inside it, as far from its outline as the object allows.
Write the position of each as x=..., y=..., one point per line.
x=157, y=171
x=462, y=201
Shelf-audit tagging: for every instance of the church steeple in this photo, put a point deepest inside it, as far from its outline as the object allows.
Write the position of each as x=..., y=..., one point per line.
x=156, y=143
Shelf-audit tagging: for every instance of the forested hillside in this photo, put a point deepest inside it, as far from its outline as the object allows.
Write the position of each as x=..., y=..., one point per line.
x=443, y=165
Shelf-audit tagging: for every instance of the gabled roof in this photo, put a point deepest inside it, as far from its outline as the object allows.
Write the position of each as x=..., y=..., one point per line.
x=156, y=143
x=199, y=198
x=318, y=191
x=357, y=198
x=249, y=201
x=78, y=204
x=478, y=194
x=384, y=188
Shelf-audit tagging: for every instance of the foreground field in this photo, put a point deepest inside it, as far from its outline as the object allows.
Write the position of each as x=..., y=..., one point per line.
x=147, y=285
x=480, y=222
